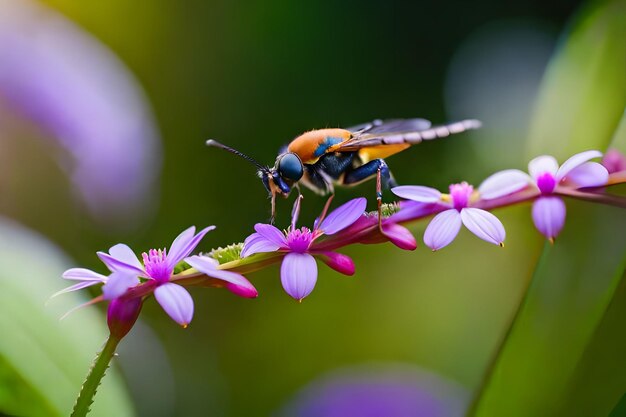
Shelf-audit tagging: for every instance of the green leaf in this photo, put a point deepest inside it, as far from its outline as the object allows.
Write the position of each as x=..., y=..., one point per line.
x=600, y=376
x=43, y=360
x=562, y=354
x=570, y=293
x=583, y=93
x=619, y=139
x=620, y=408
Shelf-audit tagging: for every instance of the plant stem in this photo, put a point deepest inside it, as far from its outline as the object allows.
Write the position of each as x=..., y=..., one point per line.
x=611, y=200
x=495, y=359
x=96, y=373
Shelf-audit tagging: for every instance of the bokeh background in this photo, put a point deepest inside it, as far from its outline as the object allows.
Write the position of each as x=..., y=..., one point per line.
x=133, y=89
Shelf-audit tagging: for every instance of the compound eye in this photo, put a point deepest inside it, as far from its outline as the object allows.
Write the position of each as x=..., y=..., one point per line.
x=290, y=167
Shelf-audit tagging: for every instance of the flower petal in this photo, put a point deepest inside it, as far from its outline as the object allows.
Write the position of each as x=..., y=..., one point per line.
x=239, y=284
x=242, y=291
x=411, y=210
x=503, y=183
x=295, y=212
x=542, y=164
x=575, y=161
x=184, y=244
x=549, y=216
x=176, y=301
x=417, y=193
x=343, y=216
x=115, y=264
x=271, y=234
x=82, y=96
x=442, y=229
x=117, y=284
x=75, y=287
x=298, y=274
x=484, y=225
x=256, y=243
x=338, y=261
x=82, y=274
x=399, y=236
x=182, y=240
x=589, y=174
x=123, y=253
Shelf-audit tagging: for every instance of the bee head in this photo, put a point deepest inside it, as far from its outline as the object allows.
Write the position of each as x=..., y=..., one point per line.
x=289, y=167
x=278, y=180
x=287, y=170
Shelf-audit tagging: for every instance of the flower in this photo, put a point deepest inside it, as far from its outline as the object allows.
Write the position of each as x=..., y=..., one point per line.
x=298, y=270
x=614, y=161
x=156, y=272
x=445, y=226
x=548, y=179
x=85, y=99
x=389, y=390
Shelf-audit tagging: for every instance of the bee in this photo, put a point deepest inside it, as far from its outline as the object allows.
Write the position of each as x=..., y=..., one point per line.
x=321, y=159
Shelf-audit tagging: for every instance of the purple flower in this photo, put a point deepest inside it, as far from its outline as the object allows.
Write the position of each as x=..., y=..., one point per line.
x=378, y=391
x=83, y=97
x=547, y=178
x=614, y=161
x=157, y=271
x=298, y=271
x=445, y=226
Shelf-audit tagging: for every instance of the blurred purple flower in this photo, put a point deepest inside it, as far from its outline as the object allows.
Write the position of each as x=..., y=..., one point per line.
x=614, y=161
x=446, y=225
x=391, y=391
x=547, y=178
x=158, y=268
x=80, y=93
x=298, y=271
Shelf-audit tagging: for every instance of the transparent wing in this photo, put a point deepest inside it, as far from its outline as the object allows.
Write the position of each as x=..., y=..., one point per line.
x=397, y=132
x=393, y=125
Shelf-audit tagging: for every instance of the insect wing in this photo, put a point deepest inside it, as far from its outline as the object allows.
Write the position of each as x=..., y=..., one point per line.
x=388, y=126
x=398, y=132
x=400, y=125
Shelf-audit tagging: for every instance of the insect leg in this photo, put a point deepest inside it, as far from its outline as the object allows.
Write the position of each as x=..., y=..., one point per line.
x=379, y=199
x=384, y=179
x=366, y=171
x=273, y=217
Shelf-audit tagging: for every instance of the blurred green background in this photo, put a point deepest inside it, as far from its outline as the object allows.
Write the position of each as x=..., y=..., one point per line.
x=256, y=74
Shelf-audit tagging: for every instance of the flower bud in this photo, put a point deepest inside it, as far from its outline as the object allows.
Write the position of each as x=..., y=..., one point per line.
x=614, y=161
x=122, y=315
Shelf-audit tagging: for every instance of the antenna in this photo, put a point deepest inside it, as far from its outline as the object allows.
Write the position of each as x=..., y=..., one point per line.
x=215, y=144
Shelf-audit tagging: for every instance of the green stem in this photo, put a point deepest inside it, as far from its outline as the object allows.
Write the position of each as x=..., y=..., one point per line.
x=96, y=373
x=495, y=359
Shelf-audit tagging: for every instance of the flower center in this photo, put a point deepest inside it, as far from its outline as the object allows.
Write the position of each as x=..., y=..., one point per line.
x=546, y=183
x=155, y=262
x=299, y=240
x=460, y=195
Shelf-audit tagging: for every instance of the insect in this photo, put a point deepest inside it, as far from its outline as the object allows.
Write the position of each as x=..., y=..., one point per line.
x=321, y=159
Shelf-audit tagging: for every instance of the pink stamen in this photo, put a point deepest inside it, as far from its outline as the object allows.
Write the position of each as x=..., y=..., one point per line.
x=155, y=262
x=546, y=183
x=299, y=240
x=460, y=195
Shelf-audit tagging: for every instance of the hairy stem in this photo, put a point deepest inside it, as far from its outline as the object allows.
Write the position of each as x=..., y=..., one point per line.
x=96, y=373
